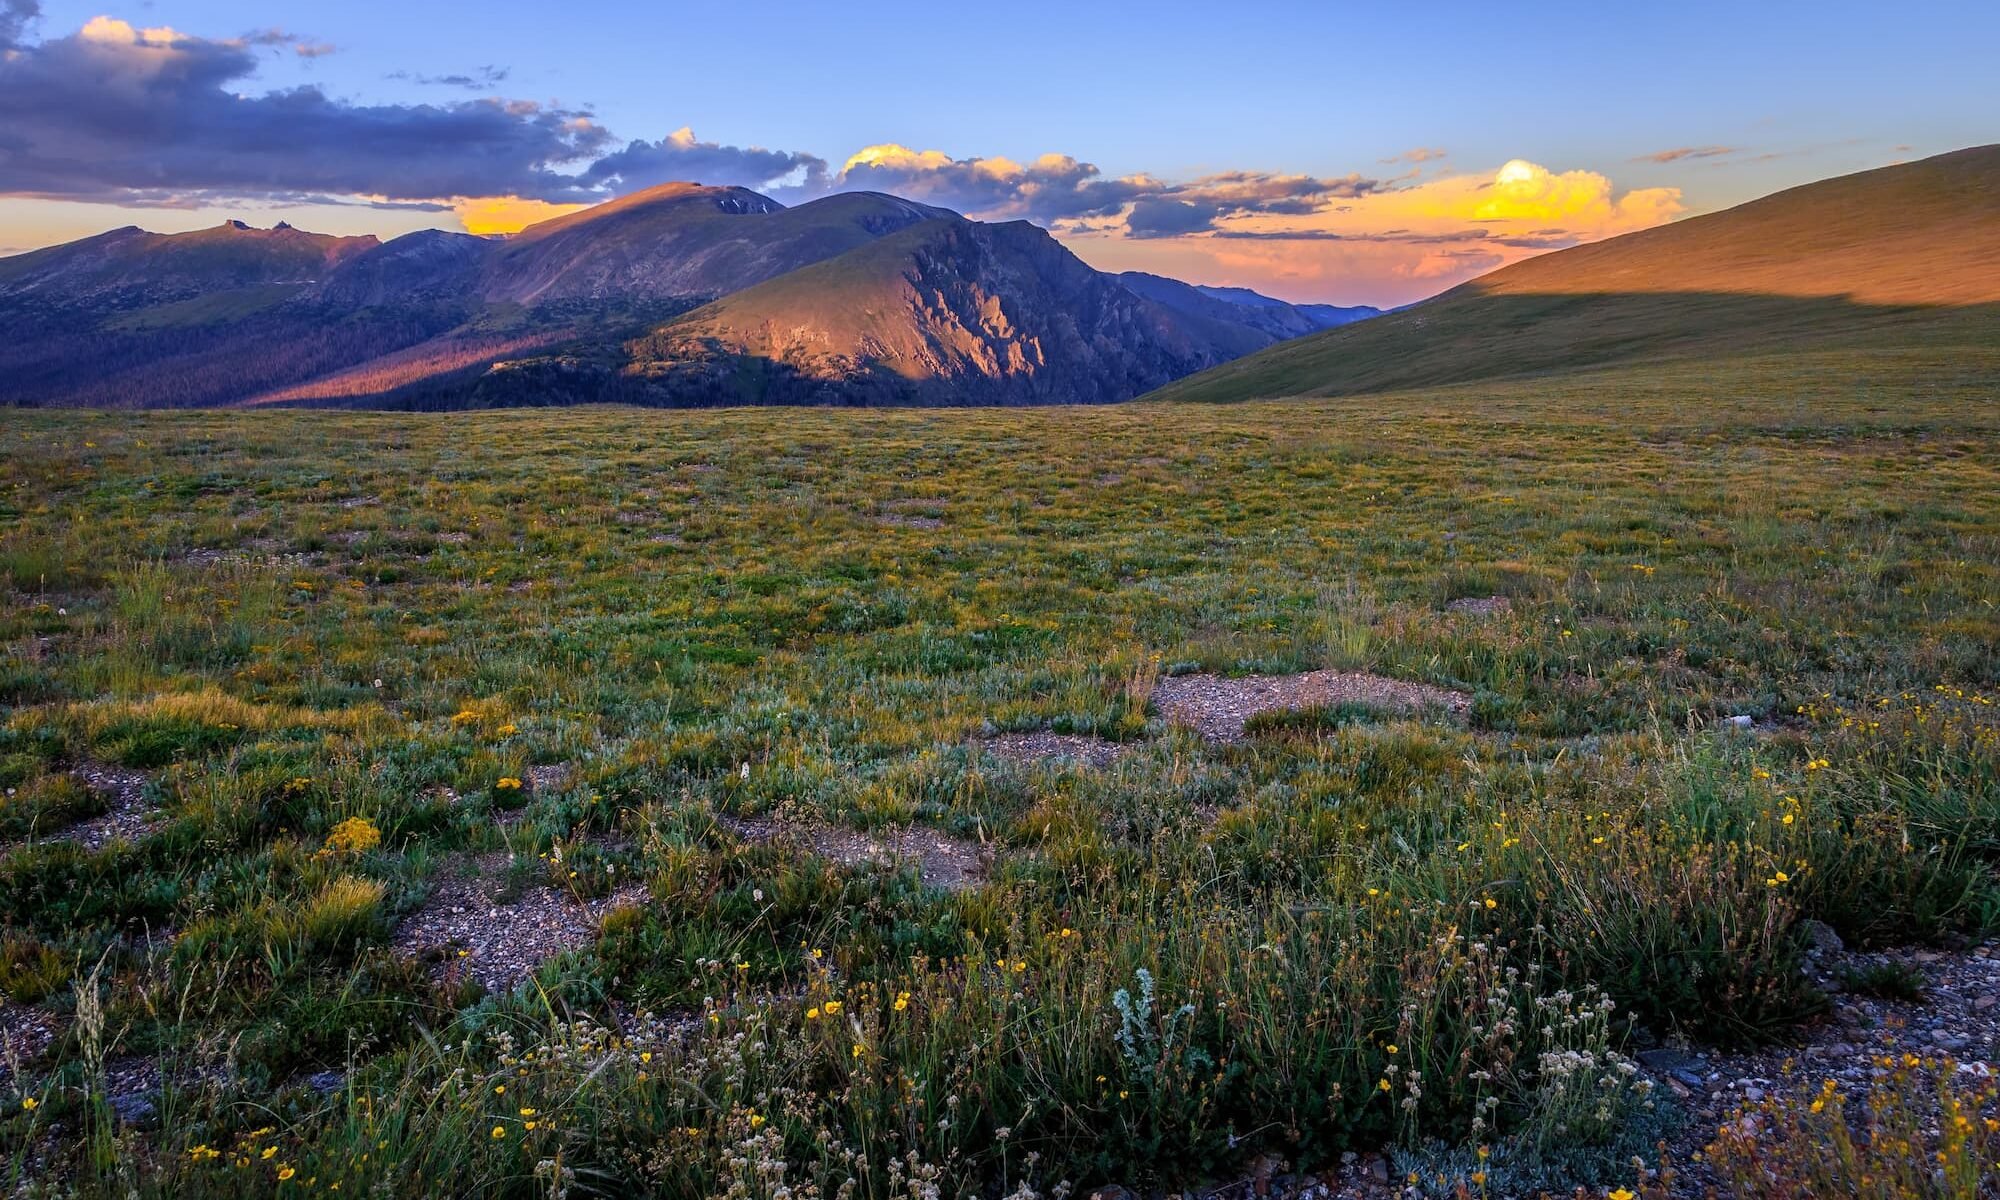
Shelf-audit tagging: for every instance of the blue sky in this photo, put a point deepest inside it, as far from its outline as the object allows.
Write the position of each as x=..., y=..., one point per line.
x=1780, y=93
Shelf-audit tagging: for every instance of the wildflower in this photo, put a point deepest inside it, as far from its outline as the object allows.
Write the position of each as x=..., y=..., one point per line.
x=507, y=783
x=508, y=730
x=270, y=1152
x=1789, y=818
x=355, y=835
x=832, y=1008
x=30, y=1103
x=756, y=1120
x=527, y=1112
x=499, y=1131
x=1492, y=903
x=1391, y=1047
x=646, y=1056
x=902, y=1001
x=1619, y=1194
x=285, y=1173
x=1381, y=1085
x=812, y=1014
x=857, y=1050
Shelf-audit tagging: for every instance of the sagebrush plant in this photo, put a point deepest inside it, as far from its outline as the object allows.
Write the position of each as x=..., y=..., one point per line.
x=355, y=656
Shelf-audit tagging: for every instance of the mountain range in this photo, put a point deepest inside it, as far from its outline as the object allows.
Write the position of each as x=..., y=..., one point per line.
x=677, y=295
x=690, y=295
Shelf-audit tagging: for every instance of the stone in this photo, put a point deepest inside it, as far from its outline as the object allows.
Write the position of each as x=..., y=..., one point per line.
x=133, y=1108
x=1821, y=936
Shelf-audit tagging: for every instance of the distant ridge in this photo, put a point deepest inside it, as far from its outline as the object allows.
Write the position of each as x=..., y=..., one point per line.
x=1900, y=255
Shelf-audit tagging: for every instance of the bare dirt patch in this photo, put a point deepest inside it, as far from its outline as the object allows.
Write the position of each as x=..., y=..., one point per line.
x=1041, y=746
x=1216, y=706
x=1481, y=606
x=129, y=817
x=942, y=861
x=466, y=930
x=549, y=777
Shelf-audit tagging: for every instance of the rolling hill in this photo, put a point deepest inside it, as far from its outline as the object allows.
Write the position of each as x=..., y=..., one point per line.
x=1902, y=256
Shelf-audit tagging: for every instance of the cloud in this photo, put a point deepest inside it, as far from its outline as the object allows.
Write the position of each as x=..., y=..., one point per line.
x=480, y=80
x=15, y=17
x=1056, y=189
x=681, y=156
x=1389, y=243
x=1681, y=153
x=304, y=47
x=132, y=115
x=150, y=116
x=507, y=214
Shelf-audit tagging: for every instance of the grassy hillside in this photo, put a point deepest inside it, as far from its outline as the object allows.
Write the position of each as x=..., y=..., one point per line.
x=1905, y=255
x=655, y=679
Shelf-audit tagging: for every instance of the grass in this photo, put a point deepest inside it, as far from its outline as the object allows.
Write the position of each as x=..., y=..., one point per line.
x=1355, y=930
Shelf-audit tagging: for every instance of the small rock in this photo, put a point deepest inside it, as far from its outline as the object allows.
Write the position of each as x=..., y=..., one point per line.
x=134, y=1108
x=1378, y=1168
x=1822, y=936
x=1740, y=722
x=1753, y=1094
x=327, y=1082
x=1114, y=1191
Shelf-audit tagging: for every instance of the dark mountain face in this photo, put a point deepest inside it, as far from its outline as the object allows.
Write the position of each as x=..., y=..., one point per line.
x=949, y=311
x=1276, y=319
x=855, y=298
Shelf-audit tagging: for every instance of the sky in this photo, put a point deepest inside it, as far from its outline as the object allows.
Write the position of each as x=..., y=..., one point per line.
x=1330, y=151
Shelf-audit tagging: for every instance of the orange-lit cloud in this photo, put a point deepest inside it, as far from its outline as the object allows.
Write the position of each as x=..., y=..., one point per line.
x=506, y=214
x=1394, y=244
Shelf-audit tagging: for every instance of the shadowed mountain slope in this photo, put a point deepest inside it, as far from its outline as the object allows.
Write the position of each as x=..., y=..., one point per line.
x=949, y=311
x=1904, y=255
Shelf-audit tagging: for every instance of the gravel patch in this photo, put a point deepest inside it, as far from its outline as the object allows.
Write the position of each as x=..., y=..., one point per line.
x=1481, y=606
x=25, y=1033
x=129, y=817
x=942, y=861
x=1034, y=749
x=1216, y=706
x=1957, y=1018
x=465, y=930
x=550, y=777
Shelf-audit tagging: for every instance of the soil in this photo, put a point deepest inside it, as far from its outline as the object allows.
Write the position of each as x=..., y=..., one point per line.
x=465, y=929
x=942, y=861
x=1216, y=706
x=1033, y=749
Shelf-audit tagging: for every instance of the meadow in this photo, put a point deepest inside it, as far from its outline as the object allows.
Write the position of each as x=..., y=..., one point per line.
x=643, y=661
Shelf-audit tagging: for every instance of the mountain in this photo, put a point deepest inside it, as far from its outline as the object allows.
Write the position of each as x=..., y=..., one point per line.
x=1277, y=319
x=681, y=239
x=947, y=311
x=680, y=294
x=1898, y=256
x=130, y=268
x=1323, y=316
